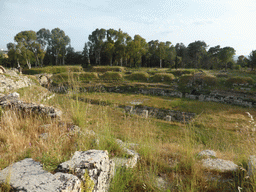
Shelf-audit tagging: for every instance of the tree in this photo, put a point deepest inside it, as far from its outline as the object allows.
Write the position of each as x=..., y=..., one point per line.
x=44, y=39
x=196, y=50
x=96, y=40
x=59, y=41
x=226, y=54
x=213, y=53
x=252, y=59
x=85, y=56
x=182, y=52
x=242, y=61
x=122, y=39
x=137, y=48
x=27, y=45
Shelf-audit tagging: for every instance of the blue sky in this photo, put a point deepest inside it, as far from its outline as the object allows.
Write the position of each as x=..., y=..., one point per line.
x=217, y=22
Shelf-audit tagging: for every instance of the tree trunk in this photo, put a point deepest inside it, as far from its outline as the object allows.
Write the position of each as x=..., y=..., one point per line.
x=121, y=61
x=28, y=63
x=160, y=63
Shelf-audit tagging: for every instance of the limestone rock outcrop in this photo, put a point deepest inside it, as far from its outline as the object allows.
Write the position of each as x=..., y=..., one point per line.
x=10, y=80
x=96, y=162
x=130, y=162
x=28, y=175
x=11, y=101
x=252, y=166
x=220, y=165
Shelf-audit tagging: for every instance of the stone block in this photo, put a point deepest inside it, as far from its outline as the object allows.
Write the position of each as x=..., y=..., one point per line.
x=96, y=162
x=207, y=153
x=219, y=165
x=28, y=175
x=145, y=113
x=252, y=166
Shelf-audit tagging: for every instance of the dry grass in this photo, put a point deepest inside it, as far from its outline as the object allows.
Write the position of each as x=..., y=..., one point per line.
x=167, y=149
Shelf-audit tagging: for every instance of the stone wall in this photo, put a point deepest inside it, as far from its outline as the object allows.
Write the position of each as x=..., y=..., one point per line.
x=241, y=99
x=11, y=101
x=10, y=80
x=165, y=114
x=227, y=97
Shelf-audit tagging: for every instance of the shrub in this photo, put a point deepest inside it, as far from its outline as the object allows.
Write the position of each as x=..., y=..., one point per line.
x=189, y=82
x=52, y=70
x=180, y=72
x=209, y=80
x=79, y=76
x=103, y=69
x=162, y=77
x=220, y=75
x=139, y=76
x=239, y=80
x=109, y=75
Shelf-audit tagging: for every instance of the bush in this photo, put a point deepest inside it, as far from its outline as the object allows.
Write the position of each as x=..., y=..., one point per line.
x=198, y=81
x=180, y=72
x=239, y=80
x=237, y=67
x=138, y=76
x=77, y=76
x=109, y=75
x=220, y=75
x=52, y=70
x=103, y=69
x=209, y=80
x=162, y=77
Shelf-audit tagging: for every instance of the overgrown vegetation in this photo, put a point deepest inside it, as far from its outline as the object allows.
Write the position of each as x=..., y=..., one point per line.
x=167, y=149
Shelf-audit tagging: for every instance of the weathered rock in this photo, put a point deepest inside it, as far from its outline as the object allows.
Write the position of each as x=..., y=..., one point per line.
x=130, y=162
x=44, y=79
x=44, y=136
x=28, y=175
x=168, y=118
x=145, y=113
x=219, y=165
x=252, y=166
x=13, y=103
x=207, y=153
x=10, y=80
x=96, y=162
x=14, y=94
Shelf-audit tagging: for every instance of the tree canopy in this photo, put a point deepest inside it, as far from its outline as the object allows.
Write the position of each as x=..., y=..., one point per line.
x=115, y=47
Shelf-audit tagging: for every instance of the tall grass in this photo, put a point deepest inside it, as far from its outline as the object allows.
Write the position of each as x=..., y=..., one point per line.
x=167, y=149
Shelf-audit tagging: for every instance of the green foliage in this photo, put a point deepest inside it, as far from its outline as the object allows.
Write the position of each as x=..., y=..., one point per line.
x=138, y=76
x=190, y=82
x=224, y=75
x=126, y=180
x=239, y=80
x=77, y=76
x=109, y=75
x=180, y=72
x=52, y=70
x=162, y=77
x=103, y=69
x=87, y=184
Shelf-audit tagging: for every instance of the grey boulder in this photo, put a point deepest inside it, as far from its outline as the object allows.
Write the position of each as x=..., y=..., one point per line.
x=28, y=175
x=95, y=162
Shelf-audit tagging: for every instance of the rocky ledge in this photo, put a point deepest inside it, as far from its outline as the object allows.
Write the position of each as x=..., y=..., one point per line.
x=12, y=101
x=11, y=80
x=93, y=167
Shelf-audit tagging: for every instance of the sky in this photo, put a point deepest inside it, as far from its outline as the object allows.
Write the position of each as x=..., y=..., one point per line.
x=217, y=22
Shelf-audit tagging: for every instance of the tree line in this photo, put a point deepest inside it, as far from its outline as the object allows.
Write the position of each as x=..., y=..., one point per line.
x=117, y=48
